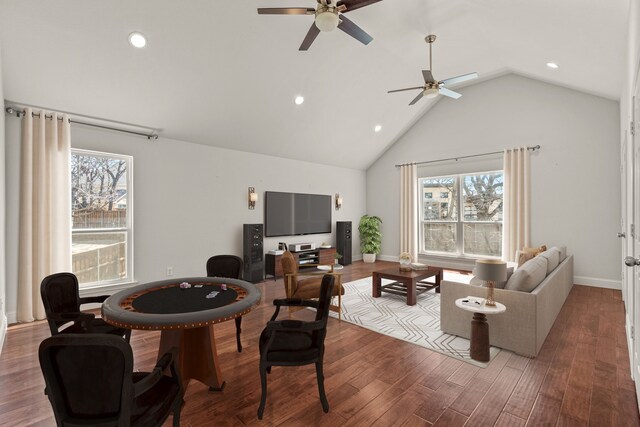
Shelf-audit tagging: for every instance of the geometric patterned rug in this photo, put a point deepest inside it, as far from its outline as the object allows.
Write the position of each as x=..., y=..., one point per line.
x=390, y=315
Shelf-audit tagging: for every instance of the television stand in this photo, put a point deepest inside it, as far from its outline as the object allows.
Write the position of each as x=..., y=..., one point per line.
x=304, y=259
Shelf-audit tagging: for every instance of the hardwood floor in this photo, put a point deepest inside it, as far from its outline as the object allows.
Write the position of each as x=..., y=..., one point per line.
x=580, y=377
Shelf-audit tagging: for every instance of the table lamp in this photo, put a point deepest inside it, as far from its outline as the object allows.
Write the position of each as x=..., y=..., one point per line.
x=491, y=271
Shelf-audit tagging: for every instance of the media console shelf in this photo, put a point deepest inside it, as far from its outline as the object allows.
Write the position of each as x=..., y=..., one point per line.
x=273, y=266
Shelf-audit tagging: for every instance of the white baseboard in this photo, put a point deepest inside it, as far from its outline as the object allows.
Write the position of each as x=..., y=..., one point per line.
x=598, y=283
x=12, y=317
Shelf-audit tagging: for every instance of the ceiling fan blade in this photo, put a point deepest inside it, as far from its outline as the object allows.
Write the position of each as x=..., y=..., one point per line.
x=417, y=98
x=355, y=4
x=448, y=92
x=428, y=77
x=409, y=88
x=462, y=78
x=310, y=37
x=354, y=31
x=285, y=11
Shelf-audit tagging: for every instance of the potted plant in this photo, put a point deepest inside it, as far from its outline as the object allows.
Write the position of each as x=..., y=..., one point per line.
x=370, y=237
x=336, y=257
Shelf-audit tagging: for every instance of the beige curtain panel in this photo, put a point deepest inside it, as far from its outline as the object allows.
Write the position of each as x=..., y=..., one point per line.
x=45, y=207
x=409, y=210
x=517, y=202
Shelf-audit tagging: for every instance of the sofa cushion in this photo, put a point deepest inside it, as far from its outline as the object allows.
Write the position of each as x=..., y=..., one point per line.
x=499, y=285
x=528, y=276
x=563, y=252
x=553, y=258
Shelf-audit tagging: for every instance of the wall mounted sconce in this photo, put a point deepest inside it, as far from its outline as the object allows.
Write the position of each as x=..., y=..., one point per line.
x=253, y=198
x=338, y=202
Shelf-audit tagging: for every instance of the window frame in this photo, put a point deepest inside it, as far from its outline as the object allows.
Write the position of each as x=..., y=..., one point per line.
x=129, y=278
x=460, y=221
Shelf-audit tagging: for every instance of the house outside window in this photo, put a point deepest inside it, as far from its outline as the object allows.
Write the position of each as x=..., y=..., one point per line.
x=470, y=221
x=102, y=233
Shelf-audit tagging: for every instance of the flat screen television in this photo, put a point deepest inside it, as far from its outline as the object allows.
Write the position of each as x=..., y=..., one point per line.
x=293, y=214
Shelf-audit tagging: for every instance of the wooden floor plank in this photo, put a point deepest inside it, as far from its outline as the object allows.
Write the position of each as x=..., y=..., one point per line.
x=372, y=378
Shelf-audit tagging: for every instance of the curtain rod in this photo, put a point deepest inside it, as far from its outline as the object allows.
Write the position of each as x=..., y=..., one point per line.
x=534, y=148
x=19, y=113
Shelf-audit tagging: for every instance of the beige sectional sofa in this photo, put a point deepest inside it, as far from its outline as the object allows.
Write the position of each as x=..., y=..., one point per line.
x=529, y=316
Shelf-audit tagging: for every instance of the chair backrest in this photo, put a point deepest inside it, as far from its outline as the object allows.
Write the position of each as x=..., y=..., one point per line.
x=289, y=266
x=225, y=266
x=88, y=378
x=324, y=302
x=60, y=294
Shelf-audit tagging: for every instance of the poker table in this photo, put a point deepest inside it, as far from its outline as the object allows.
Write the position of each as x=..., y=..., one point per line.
x=185, y=317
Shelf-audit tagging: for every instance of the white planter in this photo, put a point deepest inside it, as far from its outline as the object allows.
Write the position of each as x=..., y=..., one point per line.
x=369, y=258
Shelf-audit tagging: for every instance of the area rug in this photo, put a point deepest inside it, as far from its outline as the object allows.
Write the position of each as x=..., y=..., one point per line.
x=390, y=315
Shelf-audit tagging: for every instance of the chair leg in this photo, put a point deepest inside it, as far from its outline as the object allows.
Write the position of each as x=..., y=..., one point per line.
x=176, y=412
x=238, y=330
x=127, y=335
x=323, y=397
x=263, y=397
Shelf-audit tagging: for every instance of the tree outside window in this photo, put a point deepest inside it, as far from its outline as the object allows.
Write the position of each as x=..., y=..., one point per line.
x=101, y=209
x=477, y=230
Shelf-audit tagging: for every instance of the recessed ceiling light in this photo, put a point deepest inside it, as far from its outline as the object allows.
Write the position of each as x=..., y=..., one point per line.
x=137, y=40
x=378, y=128
x=299, y=100
x=552, y=65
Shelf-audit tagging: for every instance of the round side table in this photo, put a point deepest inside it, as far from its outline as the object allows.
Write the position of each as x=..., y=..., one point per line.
x=480, y=328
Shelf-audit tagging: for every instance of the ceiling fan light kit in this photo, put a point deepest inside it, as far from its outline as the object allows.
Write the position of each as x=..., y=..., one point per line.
x=327, y=19
x=432, y=88
x=431, y=92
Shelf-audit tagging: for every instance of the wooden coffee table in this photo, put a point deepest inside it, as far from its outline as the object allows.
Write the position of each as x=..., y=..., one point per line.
x=406, y=283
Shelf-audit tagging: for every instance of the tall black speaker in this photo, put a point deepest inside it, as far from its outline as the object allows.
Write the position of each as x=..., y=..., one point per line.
x=343, y=238
x=253, y=253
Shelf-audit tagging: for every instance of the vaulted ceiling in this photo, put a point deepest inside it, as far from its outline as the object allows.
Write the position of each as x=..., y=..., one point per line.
x=218, y=73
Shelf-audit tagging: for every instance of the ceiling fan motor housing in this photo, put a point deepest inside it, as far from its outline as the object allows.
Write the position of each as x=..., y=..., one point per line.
x=326, y=18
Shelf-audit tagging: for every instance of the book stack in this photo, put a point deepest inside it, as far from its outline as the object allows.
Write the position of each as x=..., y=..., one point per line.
x=473, y=301
x=419, y=266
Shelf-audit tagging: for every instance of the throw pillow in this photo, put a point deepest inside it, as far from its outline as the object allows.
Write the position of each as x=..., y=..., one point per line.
x=535, y=251
x=527, y=277
x=524, y=257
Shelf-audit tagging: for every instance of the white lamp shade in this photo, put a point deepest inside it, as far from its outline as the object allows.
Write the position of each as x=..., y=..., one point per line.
x=253, y=197
x=491, y=270
x=327, y=21
x=339, y=201
x=431, y=92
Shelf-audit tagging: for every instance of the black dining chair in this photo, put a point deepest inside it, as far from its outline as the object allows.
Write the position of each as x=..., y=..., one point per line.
x=61, y=299
x=227, y=266
x=296, y=342
x=90, y=381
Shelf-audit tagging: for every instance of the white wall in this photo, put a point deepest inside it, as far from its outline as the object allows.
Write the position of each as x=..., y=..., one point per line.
x=575, y=176
x=190, y=200
x=3, y=317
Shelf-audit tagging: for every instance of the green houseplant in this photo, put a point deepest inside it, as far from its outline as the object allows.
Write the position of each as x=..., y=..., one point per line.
x=370, y=237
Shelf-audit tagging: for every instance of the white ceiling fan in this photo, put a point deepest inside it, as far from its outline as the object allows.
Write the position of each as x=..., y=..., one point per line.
x=431, y=87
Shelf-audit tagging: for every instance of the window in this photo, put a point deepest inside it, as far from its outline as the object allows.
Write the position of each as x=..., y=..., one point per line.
x=470, y=221
x=428, y=195
x=102, y=234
